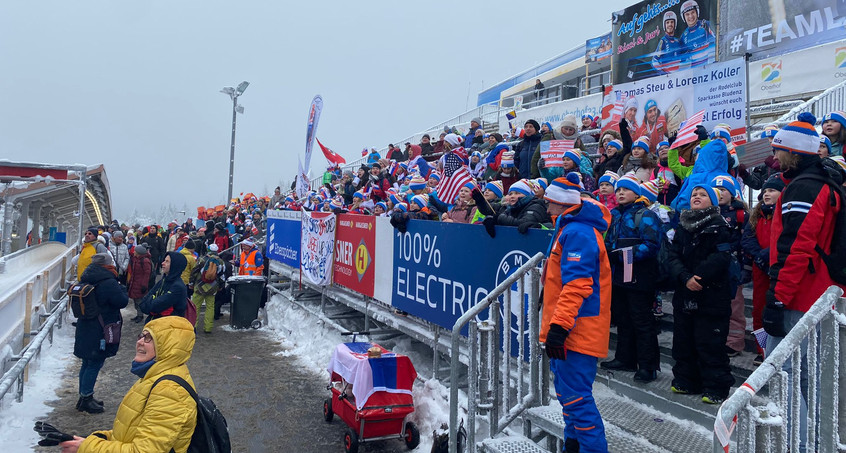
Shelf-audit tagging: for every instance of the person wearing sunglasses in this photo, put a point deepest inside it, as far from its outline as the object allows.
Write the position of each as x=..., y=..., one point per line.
x=153, y=416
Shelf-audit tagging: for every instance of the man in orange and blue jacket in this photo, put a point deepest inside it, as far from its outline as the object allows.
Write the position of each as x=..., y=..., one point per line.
x=577, y=309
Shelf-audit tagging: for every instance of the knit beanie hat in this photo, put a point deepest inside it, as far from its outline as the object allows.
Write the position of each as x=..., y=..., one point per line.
x=141, y=250
x=840, y=161
x=838, y=115
x=823, y=141
x=649, y=190
x=470, y=185
x=628, y=181
x=725, y=182
x=769, y=131
x=533, y=123
x=507, y=159
x=610, y=177
x=359, y=194
x=720, y=132
x=382, y=205
x=522, y=186
x=213, y=248
x=588, y=116
x=548, y=126
x=102, y=259
x=495, y=187
x=477, y=120
x=402, y=206
x=713, y=193
x=435, y=175
x=642, y=142
x=336, y=203
x=94, y=231
x=798, y=137
x=453, y=139
x=395, y=199
x=662, y=144
x=189, y=244
x=573, y=155
x=615, y=144
x=421, y=200
x=564, y=190
x=773, y=182
x=118, y=234
x=649, y=104
x=417, y=183
x=569, y=121
x=542, y=182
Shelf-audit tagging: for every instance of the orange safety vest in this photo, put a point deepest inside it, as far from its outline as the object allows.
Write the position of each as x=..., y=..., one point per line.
x=248, y=264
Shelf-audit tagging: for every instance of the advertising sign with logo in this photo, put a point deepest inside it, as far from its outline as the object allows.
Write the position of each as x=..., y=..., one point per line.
x=766, y=28
x=355, y=242
x=317, y=246
x=598, y=49
x=658, y=37
x=554, y=113
x=438, y=278
x=656, y=107
x=806, y=71
x=283, y=236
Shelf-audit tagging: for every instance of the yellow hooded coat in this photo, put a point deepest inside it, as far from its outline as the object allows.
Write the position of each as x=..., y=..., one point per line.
x=166, y=419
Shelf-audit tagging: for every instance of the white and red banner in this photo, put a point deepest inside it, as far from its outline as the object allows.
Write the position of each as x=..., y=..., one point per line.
x=317, y=246
x=552, y=152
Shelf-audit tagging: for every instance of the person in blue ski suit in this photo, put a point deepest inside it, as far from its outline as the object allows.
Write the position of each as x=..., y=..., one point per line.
x=669, y=47
x=698, y=34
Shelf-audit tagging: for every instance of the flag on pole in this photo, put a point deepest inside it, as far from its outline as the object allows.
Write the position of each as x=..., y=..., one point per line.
x=330, y=155
x=628, y=259
x=422, y=166
x=311, y=128
x=512, y=115
x=455, y=177
x=687, y=131
x=364, y=152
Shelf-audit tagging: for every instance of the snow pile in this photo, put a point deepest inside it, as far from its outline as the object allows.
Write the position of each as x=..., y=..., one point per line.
x=307, y=339
x=45, y=376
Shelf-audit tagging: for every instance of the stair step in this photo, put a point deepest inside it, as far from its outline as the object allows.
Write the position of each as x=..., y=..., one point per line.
x=629, y=424
x=511, y=444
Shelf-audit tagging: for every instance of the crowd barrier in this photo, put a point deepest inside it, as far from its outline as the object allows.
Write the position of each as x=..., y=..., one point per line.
x=434, y=271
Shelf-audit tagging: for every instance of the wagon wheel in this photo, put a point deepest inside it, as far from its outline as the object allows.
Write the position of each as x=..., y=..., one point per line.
x=350, y=441
x=256, y=324
x=412, y=436
x=327, y=410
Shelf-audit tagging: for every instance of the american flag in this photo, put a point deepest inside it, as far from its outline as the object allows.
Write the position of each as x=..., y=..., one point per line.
x=761, y=336
x=455, y=176
x=687, y=132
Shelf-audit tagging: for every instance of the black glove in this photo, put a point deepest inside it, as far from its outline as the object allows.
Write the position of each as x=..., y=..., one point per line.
x=523, y=228
x=555, y=339
x=489, y=222
x=774, y=316
x=51, y=435
x=615, y=256
x=762, y=260
x=398, y=222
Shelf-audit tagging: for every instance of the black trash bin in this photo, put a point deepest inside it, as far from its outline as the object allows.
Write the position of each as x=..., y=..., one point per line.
x=246, y=300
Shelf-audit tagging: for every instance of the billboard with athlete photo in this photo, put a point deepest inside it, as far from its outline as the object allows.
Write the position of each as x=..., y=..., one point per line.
x=653, y=38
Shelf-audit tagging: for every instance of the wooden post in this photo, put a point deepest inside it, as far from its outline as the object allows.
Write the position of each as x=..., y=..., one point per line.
x=45, y=295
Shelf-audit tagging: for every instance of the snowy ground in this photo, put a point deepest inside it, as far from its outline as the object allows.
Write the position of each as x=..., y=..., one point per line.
x=45, y=375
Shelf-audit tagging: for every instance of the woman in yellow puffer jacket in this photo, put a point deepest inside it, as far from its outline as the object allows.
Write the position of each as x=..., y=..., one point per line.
x=158, y=420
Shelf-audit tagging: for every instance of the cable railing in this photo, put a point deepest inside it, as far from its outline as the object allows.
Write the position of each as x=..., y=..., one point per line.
x=775, y=424
x=502, y=382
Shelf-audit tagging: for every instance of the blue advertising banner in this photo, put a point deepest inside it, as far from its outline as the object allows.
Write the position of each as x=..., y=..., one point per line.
x=441, y=270
x=283, y=236
x=598, y=49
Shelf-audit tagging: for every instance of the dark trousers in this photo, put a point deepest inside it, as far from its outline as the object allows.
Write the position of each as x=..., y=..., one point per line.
x=88, y=375
x=699, y=352
x=637, y=329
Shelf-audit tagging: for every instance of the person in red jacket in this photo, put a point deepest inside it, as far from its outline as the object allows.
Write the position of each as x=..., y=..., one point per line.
x=756, y=246
x=576, y=314
x=803, y=221
x=138, y=280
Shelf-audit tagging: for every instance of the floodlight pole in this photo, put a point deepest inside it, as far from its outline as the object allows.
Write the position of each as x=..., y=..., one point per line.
x=232, y=149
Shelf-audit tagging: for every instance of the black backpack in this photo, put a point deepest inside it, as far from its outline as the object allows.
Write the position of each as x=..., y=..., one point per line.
x=211, y=435
x=836, y=260
x=83, y=301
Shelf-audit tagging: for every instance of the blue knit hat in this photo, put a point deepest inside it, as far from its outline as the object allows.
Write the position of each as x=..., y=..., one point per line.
x=359, y=194
x=769, y=131
x=564, y=190
x=522, y=186
x=798, y=137
x=542, y=182
x=616, y=144
x=650, y=190
x=662, y=144
x=421, y=200
x=417, y=183
x=435, y=175
x=713, y=193
x=395, y=199
x=628, y=181
x=826, y=141
x=649, y=104
x=610, y=177
x=838, y=115
x=725, y=182
x=574, y=155
x=720, y=132
x=401, y=207
x=495, y=187
x=382, y=205
x=642, y=142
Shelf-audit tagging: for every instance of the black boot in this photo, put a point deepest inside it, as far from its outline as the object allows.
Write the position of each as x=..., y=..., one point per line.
x=571, y=445
x=87, y=404
x=79, y=402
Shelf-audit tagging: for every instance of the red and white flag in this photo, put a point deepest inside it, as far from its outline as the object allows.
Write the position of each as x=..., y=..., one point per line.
x=628, y=260
x=687, y=132
x=330, y=155
x=455, y=177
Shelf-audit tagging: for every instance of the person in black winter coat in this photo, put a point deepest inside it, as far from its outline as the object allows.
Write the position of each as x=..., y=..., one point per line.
x=525, y=210
x=169, y=296
x=526, y=149
x=698, y=262
x=156, y=246
x=89, y=341
x=224, y=295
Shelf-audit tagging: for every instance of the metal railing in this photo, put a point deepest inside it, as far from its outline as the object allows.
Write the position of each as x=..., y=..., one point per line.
x=762, y=424
x=496, y=378
x=33, y=297
x=828, y=101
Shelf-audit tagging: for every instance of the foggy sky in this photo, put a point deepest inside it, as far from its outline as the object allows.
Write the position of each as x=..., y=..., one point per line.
x=134, y=85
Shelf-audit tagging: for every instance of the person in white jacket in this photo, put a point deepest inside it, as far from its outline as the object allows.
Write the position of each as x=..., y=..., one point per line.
x=120, y=253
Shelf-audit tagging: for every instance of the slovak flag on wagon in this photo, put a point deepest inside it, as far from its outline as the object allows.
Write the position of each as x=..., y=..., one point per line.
x=390, y=372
